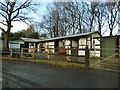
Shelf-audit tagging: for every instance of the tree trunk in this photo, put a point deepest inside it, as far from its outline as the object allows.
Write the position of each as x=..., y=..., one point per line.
x=6, y=41
x=110, y=32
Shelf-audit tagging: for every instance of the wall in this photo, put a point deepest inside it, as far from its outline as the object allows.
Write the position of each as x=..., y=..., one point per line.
x=31, y=45
x=61, y=43
x=50, y=45
x=14, y=45
x=82, y=44
x=108, y=47
x=74, y=43
x=95, y=45
x=39, y=45
x=67, y=45
x=1, y=44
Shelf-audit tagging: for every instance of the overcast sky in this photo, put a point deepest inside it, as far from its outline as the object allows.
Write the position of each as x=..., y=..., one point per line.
x=18, y=26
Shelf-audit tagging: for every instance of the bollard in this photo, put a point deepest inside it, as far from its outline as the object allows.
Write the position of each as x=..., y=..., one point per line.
x=87, y=58
x=11, y=52
x=33, y=53
x=48, y=54
x=21, y=52
x=67, y=53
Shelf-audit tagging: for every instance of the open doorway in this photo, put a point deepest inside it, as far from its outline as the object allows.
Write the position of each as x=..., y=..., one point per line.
x=56, y=45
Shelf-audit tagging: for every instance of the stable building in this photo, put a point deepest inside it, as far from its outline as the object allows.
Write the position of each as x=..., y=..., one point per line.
x=16, y=44
x=79, y=41
x=30, y=43
x=110, y=46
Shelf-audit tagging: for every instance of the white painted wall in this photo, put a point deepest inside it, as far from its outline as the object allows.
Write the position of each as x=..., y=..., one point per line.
x=67, y=42
x=14, y=45
x=50, y=45
x=38, y=46
x=82, y=41
x=95, y=53
x=30, y=46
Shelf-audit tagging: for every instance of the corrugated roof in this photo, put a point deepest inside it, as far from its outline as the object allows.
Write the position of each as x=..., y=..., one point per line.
x=56, y=38
x=16, y=42
x=29, y=39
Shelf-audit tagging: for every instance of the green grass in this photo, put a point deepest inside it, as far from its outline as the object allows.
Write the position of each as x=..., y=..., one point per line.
x=58, y=63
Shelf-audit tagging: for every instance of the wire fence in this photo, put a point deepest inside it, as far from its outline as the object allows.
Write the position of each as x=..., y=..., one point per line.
x=109, y=59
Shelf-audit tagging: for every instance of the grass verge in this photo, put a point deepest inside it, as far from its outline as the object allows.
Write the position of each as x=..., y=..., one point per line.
x=58, y=63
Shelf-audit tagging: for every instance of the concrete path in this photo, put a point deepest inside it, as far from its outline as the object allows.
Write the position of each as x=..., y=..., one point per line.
x=28, y=75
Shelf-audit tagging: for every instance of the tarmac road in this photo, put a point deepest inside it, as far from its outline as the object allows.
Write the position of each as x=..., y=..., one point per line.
x=28, y=75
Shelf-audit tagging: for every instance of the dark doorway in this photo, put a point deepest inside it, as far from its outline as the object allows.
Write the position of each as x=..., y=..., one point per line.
x=26, y=45
x=21, y=46
x=56, y=45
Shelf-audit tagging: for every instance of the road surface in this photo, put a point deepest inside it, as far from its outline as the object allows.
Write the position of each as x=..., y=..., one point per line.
x=28, y=75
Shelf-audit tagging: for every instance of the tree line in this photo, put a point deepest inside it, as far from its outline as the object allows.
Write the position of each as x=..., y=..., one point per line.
x=30, y=32
x=62, y=18
x=69, y=18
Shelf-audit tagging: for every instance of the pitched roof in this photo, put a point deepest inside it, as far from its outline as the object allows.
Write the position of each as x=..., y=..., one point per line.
x=16, y=42
x=56, y=38
x=29, y=39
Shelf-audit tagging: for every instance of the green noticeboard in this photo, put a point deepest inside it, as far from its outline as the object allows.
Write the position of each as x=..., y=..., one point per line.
x=108, y=47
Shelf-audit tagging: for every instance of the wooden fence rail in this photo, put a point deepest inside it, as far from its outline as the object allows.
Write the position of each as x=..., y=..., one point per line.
x=68, y=55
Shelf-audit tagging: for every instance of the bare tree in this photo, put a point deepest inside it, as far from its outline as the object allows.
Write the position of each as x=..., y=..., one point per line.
x=101, y=15
x=112, y=12
x=12, y=11
x=90, y=14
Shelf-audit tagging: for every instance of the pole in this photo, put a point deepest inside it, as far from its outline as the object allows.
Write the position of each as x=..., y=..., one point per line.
x=48, y=54
x=67, y=53
x=11, y=52
x=33, y=53
x=21, y=52
x=87, y=57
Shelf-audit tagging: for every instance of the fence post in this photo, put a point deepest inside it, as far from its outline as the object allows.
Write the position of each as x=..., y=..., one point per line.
x=48, y=54
x=86, y=57
x=67, y=53
x=21, y=52
x=33, y=53
x=11, y=52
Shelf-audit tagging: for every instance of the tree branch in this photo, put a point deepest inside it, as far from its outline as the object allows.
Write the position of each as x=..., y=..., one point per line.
x=23, y=5
x=3, y=23
x=3, y=16
x=2, y=29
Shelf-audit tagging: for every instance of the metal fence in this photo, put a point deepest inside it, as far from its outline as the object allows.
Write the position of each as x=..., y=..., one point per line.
x=109, y=59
